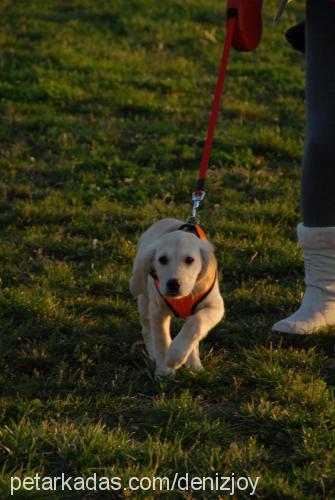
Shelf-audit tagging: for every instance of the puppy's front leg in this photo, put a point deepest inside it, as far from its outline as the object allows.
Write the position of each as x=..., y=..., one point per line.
x=195, y=329
x=143, y=308
x=193, y=361
x=160, y=330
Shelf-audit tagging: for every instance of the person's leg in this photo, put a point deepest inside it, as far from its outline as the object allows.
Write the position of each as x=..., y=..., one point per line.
x=318, y=168
x=316, y=234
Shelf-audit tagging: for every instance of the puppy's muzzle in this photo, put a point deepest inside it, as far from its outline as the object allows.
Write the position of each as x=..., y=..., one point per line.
x=172, y=286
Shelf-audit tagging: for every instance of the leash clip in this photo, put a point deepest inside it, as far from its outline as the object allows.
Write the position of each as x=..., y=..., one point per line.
x=197, y=197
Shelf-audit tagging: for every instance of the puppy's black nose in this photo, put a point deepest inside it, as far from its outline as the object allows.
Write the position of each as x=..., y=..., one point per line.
x=173, y=285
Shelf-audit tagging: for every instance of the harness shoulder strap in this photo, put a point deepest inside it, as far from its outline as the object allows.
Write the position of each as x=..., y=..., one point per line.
x=203, y=296
x=195, y=229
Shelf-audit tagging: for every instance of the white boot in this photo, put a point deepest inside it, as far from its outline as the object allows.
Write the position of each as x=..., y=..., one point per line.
x=317, y=308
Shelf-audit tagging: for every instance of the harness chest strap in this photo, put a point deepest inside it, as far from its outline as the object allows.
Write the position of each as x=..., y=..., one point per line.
x=185, y=306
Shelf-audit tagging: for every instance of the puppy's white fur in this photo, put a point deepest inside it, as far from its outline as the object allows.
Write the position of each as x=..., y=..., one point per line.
x=163, y=238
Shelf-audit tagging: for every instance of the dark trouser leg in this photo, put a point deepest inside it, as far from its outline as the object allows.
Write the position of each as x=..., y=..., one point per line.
x=318, y=168
x=317, y=233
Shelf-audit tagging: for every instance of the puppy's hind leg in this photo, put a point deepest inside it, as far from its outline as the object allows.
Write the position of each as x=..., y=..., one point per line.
x=193, y=361
x=143, y=309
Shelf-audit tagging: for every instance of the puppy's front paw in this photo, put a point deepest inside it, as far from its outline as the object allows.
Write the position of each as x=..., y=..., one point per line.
x=163, y=372
x=194, y=365
x=178, y=353
x=193, y=361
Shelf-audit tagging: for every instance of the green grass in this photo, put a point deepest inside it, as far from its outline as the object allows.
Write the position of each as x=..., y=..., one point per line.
x=104, y=108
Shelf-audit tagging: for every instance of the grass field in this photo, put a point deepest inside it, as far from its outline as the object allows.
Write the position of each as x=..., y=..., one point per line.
x=104, y=108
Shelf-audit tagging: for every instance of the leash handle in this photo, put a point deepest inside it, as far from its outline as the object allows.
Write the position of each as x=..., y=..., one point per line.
x=199, y=192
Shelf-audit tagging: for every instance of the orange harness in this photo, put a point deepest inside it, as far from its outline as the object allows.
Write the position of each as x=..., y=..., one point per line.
x=185, y=306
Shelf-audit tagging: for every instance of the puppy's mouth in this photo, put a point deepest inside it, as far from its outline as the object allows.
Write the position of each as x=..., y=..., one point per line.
x=175, y=295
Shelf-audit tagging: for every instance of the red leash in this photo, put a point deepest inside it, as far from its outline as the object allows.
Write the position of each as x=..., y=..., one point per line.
x=231, y=24
x=199, y=192
x=244, y=29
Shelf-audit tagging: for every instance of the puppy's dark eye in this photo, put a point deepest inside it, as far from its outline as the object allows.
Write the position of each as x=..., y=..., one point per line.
x=163, y=260
x=189, y=260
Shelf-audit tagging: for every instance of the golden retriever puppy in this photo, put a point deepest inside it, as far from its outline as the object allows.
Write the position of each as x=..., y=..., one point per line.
x=175, y=274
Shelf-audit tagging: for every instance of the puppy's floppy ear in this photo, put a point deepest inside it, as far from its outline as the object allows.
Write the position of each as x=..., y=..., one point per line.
x=209, y=263
x=141, y=268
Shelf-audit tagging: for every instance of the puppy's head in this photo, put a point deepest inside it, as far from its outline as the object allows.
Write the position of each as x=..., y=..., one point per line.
x=181, y=260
